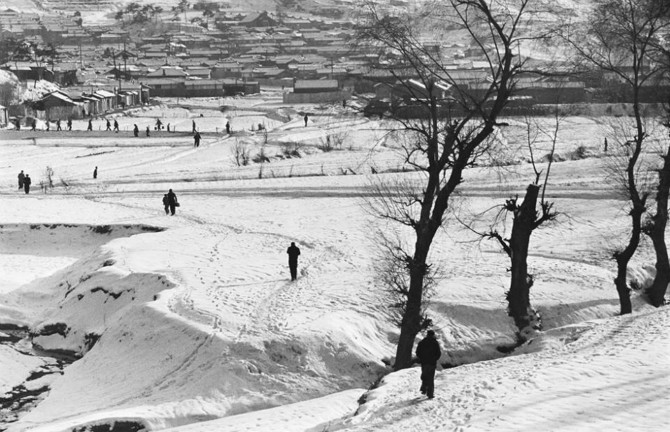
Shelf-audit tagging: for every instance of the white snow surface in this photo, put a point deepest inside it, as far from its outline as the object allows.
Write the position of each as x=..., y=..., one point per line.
x=200, y=328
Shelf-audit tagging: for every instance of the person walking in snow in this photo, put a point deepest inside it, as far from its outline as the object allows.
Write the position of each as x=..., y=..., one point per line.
x=33, y=125
x=69, y=124
x=293, y=252
x=228, y=127
x=90, y=125
x=95, y=173
x=116, y=126
x=136, y=130
x=166, y=204
x=196, y=139
x=306, y=118
x=148, y=129
x=21, y=177
x=428, y=352
x=172, y=201
x=26, y=183
x=159, y=124
x=108, y=126
x=194, y=129
x=58, y=128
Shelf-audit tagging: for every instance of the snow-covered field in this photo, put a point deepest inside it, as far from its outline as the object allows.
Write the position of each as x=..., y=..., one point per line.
x=182, y=321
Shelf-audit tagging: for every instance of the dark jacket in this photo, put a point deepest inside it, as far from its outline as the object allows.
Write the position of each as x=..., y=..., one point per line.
x=27, y=181
x=428, y=351
x=172, y=198
x=293, y=252
x=166, y=201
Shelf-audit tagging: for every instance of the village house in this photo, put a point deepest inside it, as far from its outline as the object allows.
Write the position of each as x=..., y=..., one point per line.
x=316, y=91
x=261, y=19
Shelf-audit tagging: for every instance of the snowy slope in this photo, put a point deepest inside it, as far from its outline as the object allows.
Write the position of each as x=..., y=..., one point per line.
x=187, y=319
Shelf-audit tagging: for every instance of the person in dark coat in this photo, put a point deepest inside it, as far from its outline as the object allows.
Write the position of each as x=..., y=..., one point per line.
x=58, y=127
x=306, y=118
x=116, y=126
x=136, y=130
x=193, y=121
x=196, y=139
x=108, y=125
x=166, y=204
x=69, y=124
x=33, y=125
x=428, y=353
x=228, y=127
x=21, y=177
x=293, y=252
x=95, y=173
x=148, y=131
x=172, y=201
x=48, y=127
x=159, y=124
x=26, y=183
x=90, y=125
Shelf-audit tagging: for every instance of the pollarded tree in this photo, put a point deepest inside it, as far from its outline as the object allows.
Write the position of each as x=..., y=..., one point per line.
x=447, y=126
x=526, y=218
x=621, y=39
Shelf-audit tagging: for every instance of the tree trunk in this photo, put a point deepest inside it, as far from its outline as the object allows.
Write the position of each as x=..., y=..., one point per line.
x=518, y=296
x=623, y=257
x=411, y=321
x=622, y=287
x=656, y=292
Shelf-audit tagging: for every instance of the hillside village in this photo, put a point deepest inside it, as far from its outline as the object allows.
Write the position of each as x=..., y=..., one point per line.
x=208, y=48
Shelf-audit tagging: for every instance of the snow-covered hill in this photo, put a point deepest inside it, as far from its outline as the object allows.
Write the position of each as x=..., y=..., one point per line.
x=184, y=320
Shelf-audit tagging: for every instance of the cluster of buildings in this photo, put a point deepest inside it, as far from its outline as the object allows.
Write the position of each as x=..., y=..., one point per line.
x=312, y=56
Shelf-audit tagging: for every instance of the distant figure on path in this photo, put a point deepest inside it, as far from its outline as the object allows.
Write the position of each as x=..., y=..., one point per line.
x=158, y=124
x=196, y=139
x=58, y=128
x=168, y=127
x=228, y=127
x=605, y=144
x=69, y=124
x=26, y=183
x=21, y=177
x=306, y=118
x=428, y=352
x=194, y=130
x=116, y=126
x=48, y=125
x=33, y=125
x=172, y=201
x=90, y=125
x=95, y=173
x=136, y=130
x=293, y=252
x=148, y=130
x=108, y=125
x=166, y=204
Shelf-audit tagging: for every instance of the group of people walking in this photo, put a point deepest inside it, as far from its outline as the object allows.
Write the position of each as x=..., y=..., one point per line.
x=24, y=182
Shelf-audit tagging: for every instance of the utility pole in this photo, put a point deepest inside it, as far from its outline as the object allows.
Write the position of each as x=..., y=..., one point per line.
x=125, y=65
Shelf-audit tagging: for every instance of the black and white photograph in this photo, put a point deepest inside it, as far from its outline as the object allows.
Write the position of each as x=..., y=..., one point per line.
x=334, y=215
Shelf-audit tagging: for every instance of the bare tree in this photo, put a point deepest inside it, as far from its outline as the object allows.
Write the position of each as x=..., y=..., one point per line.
x=619, y=39
x=525, y=220
x=655, y=226
x=447, y=126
